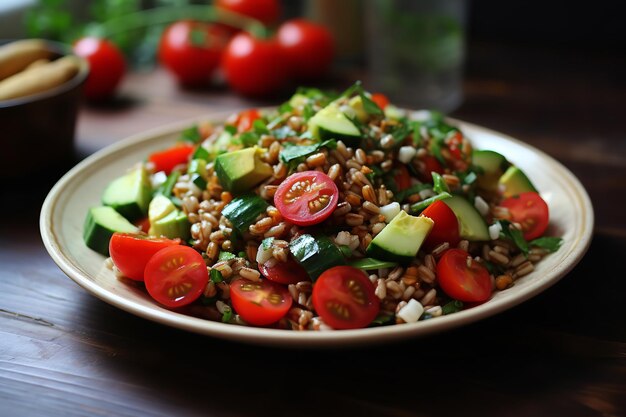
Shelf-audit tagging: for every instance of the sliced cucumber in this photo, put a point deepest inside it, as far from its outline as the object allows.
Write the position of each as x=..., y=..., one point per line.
x=331, y=123
x=369, y=264
x=129, y=195
x=473, y=226
x=514, y=182
x=100, y=224
x=316, y=254
x=492, y=165
x=401, y=239
x=244, y=210
x=197, y=173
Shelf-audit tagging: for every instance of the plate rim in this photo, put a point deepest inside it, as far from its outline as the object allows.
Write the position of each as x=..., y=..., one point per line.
x=277, y=337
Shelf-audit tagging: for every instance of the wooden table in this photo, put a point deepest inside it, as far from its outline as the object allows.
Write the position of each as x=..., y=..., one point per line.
x=65, y=353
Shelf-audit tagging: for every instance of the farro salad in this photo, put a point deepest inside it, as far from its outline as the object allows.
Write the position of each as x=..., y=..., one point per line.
x=333, y=211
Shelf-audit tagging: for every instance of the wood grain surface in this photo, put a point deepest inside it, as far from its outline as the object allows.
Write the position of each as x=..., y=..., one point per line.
x=65, y=353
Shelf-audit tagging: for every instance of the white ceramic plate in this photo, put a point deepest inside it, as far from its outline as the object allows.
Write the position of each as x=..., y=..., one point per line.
x=65, y=207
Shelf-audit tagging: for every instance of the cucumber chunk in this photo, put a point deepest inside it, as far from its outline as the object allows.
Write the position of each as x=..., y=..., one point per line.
x=492, y=165
x=473, y=226
x=401, y=239
x=316, y=254
x=100, y=224
x=331, y=123
x=129, y=195
x=244, y=210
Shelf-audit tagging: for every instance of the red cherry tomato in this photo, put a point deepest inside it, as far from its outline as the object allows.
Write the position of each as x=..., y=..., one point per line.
x=344, y=298
x=143, y=224
x=458, y=161
x=106, y=66
x=381, y=100
x=289, y=272
x=245, y=120
x=131, y=252
x=529, y=210
x=402, y=178
x=192, y=50
x=261, y=302
x=309, y=48
x=306, y=198
x=267, y=11
x=430, y=164
x=254, y=67
x=462, y=278
x=168, y=159
x=446, y=227
x=176, y=276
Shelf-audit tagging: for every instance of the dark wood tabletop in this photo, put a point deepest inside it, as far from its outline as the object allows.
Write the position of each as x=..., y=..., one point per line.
x=65, y=353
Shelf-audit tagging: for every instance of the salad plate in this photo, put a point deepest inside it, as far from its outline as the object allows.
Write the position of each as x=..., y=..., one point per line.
x=66, y=205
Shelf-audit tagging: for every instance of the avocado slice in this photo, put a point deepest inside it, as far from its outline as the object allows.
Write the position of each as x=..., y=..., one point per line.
x=130, y=194
x=241, y=170
x=167, y=220
x=514, y=182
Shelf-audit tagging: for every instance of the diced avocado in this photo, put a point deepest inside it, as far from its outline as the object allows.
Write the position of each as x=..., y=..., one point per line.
x=492, y=164
x=130, y=194
x=167, y=220
x=401, y=239
x=356, y=103
x=514, y=182
x=471, y=223
x=316, y=254
x=100, y=224
x=332, y=123
x=172, y=226
x=298, y=100
x=392, y=112
x=241, y=170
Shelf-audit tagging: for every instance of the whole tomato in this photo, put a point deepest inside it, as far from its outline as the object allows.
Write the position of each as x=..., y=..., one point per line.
x=106, y=66
x=192, y=50
x=309, y=48
x=267, y=11
x=253, y=66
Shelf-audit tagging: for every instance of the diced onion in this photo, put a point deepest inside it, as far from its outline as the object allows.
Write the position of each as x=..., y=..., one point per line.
x=263, y=255
x=494, y=231
x=481, y=205
x=390, y=211
x=348, y=111
x=406, y=153
x=411, y=312
x=158, y=178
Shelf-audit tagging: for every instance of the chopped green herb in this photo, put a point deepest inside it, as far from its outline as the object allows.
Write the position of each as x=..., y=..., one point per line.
x=216, y=276
x=383, y=320
x=286, y=107
x=295, y=154
x=421, y=205
x=552, y=244
x=369, y=106
x=230, y=129
x=307, y=112
x=242, y=254
x=249, y=139
x=515, y=235
x=225, y=256
x=201, y=153
x=191, y=134
x=260, y=127
x=166, y=188
x=414, y=189
x=267, y=243
x=439, y=185
x=452, y=307
x=284, y=132
x=227, y=314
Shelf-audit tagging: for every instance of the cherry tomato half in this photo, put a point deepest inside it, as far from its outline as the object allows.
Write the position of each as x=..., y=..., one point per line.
x=431, y=164
x=381, y=100
x=106, y=66
x=446, y=227
x=261, y=302
x=289, y=272
x=168, y=159
x=267, y=11
x=402, y=178
x=529, y=210
x=344, y=298
x=306, y=198
x=176, y=276
x=245, y=120
x=458, y=160
x=132, y=251
x=192, y=50
x=309, y=48
x=462, y=278
x=254, y=67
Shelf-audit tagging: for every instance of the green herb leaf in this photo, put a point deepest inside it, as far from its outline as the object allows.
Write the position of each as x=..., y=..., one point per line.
x=515, y=235
x=421, y=205
x=225, y=256
x=267, y=243
x=307, y=112
x=249, y=139
x=294, y=153
x=227, y=315
x=166, y=188
x=369, y=106
x=243, y=255
x=550, y=243
x=260, y=127
x=414, y=189
x=383, y=320
x=191, y=134
x=216, y=276
x=452, y=307
x=231, y=129
x=439, y=185
x=286, y=107
x=284, y=132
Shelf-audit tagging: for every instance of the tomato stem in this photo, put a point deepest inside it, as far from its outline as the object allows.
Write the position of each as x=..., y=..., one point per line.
x=164, y=15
